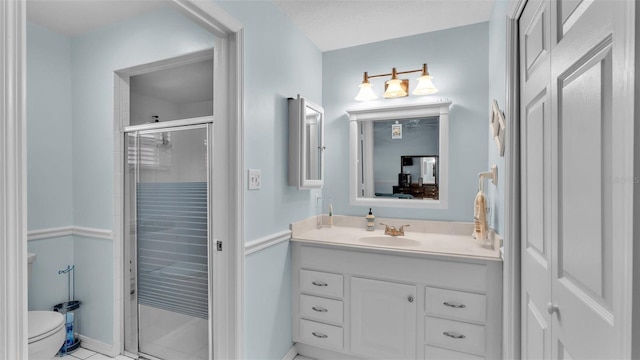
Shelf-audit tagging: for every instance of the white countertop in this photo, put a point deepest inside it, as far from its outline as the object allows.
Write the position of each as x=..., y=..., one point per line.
x=453, y=242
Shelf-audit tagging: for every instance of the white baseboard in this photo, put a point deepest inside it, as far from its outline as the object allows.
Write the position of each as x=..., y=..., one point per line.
x=291, y=354
x=97, y=346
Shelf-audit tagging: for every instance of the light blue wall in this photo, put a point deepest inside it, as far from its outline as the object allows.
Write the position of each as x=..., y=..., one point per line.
x=49, y=169
x=268, y=308
x=46, y=287
x=280, y=62
x=161, y=34
x=93, y=259
x=497, y=91
x=458, y=61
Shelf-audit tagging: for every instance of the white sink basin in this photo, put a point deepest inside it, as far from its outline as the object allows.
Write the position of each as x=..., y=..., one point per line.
x=389, y=241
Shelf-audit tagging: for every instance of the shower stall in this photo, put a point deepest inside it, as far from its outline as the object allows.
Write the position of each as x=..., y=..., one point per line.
x=167, y=227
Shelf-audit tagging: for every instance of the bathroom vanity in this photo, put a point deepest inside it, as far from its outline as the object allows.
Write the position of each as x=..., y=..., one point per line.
x=434, y=293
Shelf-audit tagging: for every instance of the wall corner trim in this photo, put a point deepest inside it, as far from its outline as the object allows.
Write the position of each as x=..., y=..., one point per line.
x=291, y=354
x=97, y=346
x=266, y=241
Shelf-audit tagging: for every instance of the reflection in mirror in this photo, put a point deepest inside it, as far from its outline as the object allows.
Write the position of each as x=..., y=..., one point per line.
x=399, y=155
x=306, y=144
x=397, y=172
x=313, y=124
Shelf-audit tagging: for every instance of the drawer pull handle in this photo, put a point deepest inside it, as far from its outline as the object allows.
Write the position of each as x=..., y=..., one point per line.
x=454, y=335
x=319, y=309
x=319, y=335
x=455, y=306
x=319, y=283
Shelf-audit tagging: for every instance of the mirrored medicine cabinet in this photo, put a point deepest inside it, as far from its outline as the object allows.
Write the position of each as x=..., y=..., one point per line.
x=399, y=155
x=306, y=144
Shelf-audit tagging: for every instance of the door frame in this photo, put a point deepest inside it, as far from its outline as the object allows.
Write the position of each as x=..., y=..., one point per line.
x=511, y=337
x=13, y=180
x=13, y=177
x=226, y=324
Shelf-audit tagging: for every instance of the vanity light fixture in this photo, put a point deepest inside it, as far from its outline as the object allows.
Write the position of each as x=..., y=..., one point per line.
x=395, y=87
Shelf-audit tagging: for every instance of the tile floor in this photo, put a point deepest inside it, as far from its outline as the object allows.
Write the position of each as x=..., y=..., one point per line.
x=85, y=354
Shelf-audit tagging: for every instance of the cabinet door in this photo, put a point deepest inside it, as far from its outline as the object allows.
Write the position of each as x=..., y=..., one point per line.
x=383, y=319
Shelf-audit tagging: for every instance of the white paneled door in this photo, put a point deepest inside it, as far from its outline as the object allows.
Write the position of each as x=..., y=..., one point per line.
x=571, y=283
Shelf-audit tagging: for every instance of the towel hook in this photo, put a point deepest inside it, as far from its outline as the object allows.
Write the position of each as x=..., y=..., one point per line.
x=493, y=175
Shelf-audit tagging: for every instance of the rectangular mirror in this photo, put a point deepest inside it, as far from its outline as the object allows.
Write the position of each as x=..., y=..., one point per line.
x=398, y=155
x=306, y=144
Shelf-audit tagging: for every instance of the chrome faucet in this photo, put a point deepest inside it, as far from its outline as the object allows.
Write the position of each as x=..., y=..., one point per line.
x=391, y=230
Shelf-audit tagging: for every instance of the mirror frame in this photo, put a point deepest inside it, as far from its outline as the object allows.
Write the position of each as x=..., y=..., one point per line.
x=298, y=145
x=431, y=108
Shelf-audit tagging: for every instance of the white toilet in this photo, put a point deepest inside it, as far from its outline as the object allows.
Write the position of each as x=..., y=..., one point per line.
x=46, y=330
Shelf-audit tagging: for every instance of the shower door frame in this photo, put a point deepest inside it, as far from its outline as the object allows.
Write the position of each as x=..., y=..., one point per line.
x=203, y=123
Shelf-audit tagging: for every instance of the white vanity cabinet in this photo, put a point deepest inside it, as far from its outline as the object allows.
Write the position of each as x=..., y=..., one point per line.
x=362, y=303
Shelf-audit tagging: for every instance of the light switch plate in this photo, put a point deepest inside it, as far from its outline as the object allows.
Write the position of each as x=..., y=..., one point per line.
x=255, y=179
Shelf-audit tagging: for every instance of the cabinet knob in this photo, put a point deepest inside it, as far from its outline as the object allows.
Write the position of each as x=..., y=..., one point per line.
x=319, y=309
x=552, y=308
x=319, y=283
x=319, y=335
x=453, y=334
x=410, y=298
x=454, y=305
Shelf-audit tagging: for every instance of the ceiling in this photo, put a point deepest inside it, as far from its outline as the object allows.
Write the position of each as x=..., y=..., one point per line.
x=75, y=17
x=183, y=84
x=336, y=24
x=330, y=24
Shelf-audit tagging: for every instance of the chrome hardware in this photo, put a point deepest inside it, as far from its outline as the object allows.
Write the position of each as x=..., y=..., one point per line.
x=551, y=308
x=391, y=230
x=454, y=335
x=319, y=335
x=410, y=298
x=455, y=306
x=319, y=309
x=319, y=283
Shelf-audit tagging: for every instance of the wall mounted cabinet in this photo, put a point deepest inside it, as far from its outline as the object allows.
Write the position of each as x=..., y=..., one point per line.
x=306, y=144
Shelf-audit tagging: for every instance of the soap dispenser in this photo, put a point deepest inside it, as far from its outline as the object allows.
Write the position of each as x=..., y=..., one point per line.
x=371, y=221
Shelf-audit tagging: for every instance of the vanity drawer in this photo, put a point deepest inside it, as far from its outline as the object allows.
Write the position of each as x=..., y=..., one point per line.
x=456, y=304
x=316, y=333
x=455, y=335
x=317, y=308
x=321, y=283
x=436, y=353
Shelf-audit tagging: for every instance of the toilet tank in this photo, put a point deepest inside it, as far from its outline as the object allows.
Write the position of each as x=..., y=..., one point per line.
x=30, y=259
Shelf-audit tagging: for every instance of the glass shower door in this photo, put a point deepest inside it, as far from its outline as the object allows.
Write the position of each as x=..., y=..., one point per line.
x=171, y=241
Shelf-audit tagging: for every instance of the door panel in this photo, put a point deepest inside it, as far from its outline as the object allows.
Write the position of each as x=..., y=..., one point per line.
x=537, y=332
x=583, y=270
x=584, y=257
x=168, y=202
x=535, y=175
x=383, y=319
